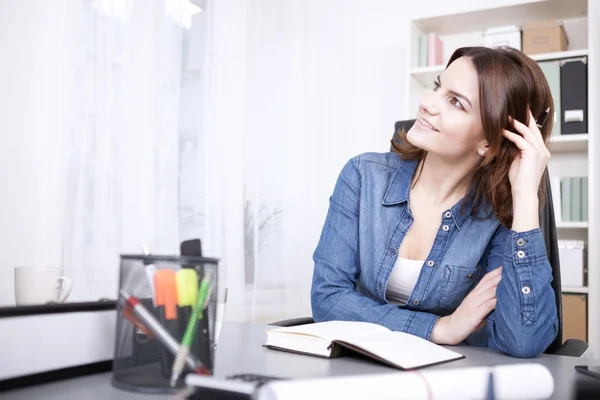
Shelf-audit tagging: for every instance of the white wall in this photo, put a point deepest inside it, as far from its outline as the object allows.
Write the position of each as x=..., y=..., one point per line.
x=32, y=130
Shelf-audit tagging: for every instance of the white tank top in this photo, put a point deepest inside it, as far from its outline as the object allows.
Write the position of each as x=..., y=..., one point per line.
x=402, y=280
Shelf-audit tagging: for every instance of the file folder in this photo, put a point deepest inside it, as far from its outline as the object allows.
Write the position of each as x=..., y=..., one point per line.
x=551, y=70
x=573, y=87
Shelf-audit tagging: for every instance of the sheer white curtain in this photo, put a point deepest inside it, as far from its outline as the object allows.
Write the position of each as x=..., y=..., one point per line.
x=123, y=164
x=233, y=131
x=296, y=88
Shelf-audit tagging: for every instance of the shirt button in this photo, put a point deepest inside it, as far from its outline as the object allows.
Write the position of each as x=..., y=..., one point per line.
x=416, y=302
x=445, y=228
x=393, y=252
x=525, y=290
x=470, y=276
x=520, y=242
x=448, y=214
x=431, y=263
x=520, y=254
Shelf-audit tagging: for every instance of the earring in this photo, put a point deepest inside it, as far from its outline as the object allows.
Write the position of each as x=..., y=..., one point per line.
x=481, y=152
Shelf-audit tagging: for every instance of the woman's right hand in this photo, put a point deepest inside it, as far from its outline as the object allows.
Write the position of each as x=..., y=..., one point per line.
x=471, y=314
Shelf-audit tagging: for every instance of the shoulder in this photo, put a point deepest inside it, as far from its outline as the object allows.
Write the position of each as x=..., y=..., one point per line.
x=379, y=172
x=368, y=162
x=388, y=159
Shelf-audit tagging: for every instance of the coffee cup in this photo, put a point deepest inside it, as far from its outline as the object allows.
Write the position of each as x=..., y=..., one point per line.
x=41, y=285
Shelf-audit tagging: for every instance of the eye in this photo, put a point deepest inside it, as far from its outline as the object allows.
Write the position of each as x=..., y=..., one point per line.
x=456, y=103
x=436, y=85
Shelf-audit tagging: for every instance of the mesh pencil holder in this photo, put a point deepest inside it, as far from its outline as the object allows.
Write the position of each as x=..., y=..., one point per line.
x=164, y=302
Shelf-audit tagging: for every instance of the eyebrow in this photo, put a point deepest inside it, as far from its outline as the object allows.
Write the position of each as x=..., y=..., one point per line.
x=456, y=94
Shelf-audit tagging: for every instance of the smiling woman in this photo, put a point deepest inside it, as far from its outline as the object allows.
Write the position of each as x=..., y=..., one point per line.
x=448, y=222
x=478, y=92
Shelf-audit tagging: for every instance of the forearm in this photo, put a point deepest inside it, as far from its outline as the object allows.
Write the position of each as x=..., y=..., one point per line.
x=525, y=212
x=525, y=320
x=331, y=302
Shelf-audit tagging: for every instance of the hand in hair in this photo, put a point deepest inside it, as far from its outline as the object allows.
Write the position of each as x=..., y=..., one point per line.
x=526, y=171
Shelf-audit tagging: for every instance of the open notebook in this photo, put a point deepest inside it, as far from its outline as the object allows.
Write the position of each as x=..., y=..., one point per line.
x=328, y=339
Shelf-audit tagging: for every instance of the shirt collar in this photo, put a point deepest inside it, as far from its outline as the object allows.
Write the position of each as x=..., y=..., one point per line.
x=399, y=189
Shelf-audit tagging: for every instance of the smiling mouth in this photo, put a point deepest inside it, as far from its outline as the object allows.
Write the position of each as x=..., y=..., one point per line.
x=427, y=124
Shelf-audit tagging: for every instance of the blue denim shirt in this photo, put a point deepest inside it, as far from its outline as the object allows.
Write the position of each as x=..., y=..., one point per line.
x=369, y=215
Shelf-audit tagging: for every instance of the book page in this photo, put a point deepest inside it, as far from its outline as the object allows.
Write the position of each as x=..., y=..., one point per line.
x=332, y=330
x=403, y=349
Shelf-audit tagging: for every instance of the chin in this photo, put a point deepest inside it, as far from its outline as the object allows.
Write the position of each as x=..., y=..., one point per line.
x=418, y=138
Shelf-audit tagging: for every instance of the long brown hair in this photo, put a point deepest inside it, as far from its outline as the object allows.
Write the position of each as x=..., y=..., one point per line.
x=510, y=83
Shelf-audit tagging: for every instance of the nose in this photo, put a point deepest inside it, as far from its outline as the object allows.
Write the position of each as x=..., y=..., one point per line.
x=429, y=103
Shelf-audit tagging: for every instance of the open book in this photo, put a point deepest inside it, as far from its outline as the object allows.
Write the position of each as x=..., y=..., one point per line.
x=328, y=339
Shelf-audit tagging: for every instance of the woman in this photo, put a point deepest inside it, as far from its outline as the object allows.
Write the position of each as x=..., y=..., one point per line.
x=441, y=238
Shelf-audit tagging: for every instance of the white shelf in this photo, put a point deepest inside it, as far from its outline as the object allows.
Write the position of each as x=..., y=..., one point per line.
x=572, y=225
x=559, y=54
x=516, y=14
x=569, y=143
x=426, y=75
x=572, y=289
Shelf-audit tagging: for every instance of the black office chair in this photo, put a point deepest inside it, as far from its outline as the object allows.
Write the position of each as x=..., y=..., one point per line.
x=571, y=347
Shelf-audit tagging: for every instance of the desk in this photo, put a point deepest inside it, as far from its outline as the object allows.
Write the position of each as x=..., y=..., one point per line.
x=240, y=350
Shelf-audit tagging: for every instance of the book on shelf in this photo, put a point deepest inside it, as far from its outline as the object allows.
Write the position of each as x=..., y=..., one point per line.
x=573, y=199
x=435, y=50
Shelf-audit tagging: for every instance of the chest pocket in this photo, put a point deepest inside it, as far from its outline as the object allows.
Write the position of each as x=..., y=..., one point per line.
x=457, y=282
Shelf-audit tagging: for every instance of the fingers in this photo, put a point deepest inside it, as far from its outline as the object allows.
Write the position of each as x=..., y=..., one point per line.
x=486, y=288
x=487, y=307
x=489, y=279
x=518, y=140
x=534, y=128
x=530, y=132
x=491, y=274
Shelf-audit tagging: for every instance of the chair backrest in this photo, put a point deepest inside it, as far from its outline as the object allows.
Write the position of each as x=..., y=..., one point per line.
x=548, y=227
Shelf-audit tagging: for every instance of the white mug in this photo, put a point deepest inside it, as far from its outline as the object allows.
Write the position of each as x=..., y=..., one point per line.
x=41, y=285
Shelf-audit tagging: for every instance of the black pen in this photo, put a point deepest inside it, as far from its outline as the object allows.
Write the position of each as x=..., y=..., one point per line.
x=543, y=118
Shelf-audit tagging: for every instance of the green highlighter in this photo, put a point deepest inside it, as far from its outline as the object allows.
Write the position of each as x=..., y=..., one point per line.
x=187, y=294
x=190, y=332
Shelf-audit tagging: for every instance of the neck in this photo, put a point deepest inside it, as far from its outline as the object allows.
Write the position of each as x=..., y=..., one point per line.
x=441, y=181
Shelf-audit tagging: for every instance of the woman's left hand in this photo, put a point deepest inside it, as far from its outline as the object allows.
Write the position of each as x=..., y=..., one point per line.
x=527, y=169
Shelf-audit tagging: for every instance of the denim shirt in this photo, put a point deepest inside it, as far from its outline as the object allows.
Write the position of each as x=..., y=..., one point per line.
x=368, y=217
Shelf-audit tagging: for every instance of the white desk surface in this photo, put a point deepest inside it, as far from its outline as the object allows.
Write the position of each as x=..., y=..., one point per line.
x=240, y=351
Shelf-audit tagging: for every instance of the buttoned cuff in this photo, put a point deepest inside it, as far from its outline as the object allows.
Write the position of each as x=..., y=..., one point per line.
x=528, y=247
x=421, y=324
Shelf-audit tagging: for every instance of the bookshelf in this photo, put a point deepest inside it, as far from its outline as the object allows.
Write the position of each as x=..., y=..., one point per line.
x=572, y=155
x=577, y=143
x=426, y=75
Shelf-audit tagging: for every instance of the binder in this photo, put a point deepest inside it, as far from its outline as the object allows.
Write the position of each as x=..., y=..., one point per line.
x=573, y=87
x=576, y=199
x=423, y=51
x=584, y=198
x=551, y=70
x=565, y=198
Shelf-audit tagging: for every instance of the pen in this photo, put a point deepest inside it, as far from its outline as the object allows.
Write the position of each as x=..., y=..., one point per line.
x=159, y=331
x=188, y=338
x=491, y=395
x=543, y=118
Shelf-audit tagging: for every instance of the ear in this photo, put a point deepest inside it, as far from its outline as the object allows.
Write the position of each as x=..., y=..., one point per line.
x=482, y=147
